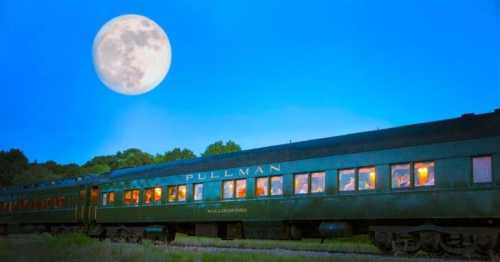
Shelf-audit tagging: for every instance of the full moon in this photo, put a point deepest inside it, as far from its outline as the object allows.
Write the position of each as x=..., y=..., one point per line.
x=131, y=54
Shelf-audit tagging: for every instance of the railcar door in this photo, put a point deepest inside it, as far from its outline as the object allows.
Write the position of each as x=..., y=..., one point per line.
x=81, y=205
x=94, y=201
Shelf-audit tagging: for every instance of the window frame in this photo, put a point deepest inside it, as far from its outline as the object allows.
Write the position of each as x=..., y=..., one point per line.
x=414, y=175
x=357, y=179
x=492, y=166
x=410, y=167
x=194, y=192
x=270, y=185
x=176, y=200
x=132, y=197
x=153, y=200
x=309, y=183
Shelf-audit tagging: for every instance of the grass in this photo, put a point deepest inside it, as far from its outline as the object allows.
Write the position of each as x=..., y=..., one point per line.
x=77, y=247
x=358, y=244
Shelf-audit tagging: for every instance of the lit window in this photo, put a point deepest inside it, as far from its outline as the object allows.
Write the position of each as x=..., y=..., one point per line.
x=104, y=199
x=135, y=197
x=347, y=180
x=157, y=194
x=111, y=198
x=424, y=174
x=366, y=178
x=301, y=184
x=241, y=188
x=228, y=189
x=127, y=197
x=172, y=193
x=148, y=196
x=198, y=192
x=318, y=182
x=401, y=176
x=182, y=193
x=94, y=194
x=276, y=185
x=481, y=169
x=262, y=186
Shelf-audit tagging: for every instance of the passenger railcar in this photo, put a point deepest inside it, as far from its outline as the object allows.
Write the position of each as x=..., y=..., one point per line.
x=432, y=186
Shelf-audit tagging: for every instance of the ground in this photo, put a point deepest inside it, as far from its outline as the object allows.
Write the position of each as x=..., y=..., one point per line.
x=77, y=247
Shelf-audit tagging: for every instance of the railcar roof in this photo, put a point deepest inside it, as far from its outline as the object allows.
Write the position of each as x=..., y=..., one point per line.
x=469, y=126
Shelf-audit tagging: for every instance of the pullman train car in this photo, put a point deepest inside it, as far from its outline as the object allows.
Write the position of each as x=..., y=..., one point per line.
x=433, y=186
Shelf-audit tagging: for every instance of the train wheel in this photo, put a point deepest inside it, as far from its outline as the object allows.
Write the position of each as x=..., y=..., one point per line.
x=431, y=242
x=295, y=232
x=382, y=240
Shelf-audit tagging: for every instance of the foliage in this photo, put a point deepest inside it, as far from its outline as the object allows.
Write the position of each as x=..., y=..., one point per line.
x=12, y=163
x=174, y=154
x=220, y=148
x=15, y=168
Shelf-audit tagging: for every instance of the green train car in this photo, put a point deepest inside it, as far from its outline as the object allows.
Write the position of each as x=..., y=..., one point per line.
x=432, y=186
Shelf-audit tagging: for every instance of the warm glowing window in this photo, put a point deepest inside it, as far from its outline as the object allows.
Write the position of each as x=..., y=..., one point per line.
x=276, y=185
x=400, y=176
x=177, y=193
x=262, y=186
x=172, y=193
x=424, y=174
x=228, y=188
x=111, y=198
x=482, y=169
x=94, y=194
x=241, y=188
x=317, y=182
x=366, y=177
x=157, y=194
x=131, y=197
x=347, y=180
x=148, y=196
x=301, y=185
x=182, y=193
x=198, y=192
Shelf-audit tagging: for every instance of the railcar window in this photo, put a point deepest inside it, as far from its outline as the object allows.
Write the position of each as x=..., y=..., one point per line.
x=172, y=193
x=228, y=188
x=301, y=184
x=347, y=180
x=131, y=197
x=367, y=177
x=400, y=176
x=94, y=194
x=241, y=188
x=482, y=169
x=276, y=185
x=104, y=199
x=111, y=198
x=318, y=182
x=177, y=193
x=182, y=192
x=148, y=196
x=198, y=192
x=424, y=173
x=262, y=186
x=157, y=194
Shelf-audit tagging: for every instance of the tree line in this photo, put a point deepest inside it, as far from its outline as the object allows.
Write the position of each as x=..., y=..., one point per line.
x=15, y=168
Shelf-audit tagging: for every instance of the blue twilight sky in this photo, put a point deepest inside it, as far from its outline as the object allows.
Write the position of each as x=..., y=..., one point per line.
x=258, y=72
